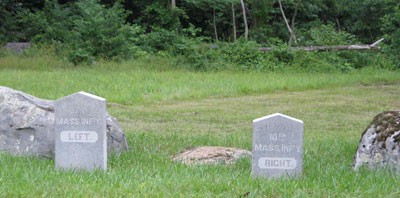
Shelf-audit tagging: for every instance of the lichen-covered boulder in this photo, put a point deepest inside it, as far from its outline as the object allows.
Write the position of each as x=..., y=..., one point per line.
x=211, y=155
x=380, y=143
x=27, y=126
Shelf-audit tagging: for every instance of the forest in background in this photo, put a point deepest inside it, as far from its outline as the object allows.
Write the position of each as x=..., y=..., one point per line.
x=209, y=34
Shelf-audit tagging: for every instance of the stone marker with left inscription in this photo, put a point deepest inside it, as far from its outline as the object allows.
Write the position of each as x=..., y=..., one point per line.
x=80, y=132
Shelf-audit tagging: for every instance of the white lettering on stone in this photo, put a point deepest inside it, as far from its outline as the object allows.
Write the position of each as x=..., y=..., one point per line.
x=277, y=148
x=277, y=137
x=79, y=136
x=277, y=163
x=78, y=121
x=89, y=121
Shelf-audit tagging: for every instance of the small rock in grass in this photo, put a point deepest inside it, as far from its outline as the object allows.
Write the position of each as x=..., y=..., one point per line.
x=18, y=47
x=211, y=155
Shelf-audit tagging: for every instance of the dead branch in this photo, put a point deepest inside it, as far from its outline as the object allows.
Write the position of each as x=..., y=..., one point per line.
x=373, y=46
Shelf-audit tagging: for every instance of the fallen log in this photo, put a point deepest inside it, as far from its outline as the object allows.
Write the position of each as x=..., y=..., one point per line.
x=373, y=46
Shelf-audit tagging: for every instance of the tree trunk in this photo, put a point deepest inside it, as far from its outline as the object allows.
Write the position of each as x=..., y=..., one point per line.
x=215, y=26
x=293, y=37
x=292, y=34
x=234, y=23
x=173, y=4
x=173, y=7
x=246, y=28
x=338, y=24
x=372, y=46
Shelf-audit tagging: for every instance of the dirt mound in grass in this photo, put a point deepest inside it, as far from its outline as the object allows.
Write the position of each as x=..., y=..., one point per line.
x=211, y=155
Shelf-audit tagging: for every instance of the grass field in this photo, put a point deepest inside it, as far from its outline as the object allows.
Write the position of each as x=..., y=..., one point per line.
x=164, y=111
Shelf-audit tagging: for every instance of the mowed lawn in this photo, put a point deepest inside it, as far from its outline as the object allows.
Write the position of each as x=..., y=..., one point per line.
x=166, y=111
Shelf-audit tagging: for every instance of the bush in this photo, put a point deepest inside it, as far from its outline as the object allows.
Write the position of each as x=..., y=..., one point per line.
x=245, y=55
x=86, y=30
x=391, y=28
x=242, y=53
x=11, y=22
x=198, y=55
x=325, y=35
x=158, y=40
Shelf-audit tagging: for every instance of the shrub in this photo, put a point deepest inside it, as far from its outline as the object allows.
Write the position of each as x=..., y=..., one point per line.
x=158, y=40
x=11, y=22
x=198, y=55
x=245, y=55
x=391, y=28
x=86, y=30
x=325, y=35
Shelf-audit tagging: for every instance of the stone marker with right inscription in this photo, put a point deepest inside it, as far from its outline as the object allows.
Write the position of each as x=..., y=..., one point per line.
x=277, y=146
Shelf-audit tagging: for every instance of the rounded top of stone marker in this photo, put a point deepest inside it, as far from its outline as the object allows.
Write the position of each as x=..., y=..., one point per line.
x=91, y=95
x=277, y=115
x=84, y=94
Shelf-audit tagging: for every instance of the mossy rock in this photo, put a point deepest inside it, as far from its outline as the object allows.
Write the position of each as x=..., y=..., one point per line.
x=379, y=145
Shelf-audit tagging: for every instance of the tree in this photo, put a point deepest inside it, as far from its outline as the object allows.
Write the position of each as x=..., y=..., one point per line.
x=217, y=9
x=246, y=27
x=233, y=22
x=85, y=30
x=12, y=24
x=173, y=4
x=363, y=17
x=391, y=29
x=290, y=28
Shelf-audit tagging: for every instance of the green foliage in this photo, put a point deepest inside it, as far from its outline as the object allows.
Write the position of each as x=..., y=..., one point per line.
x=242, y=53
x=341, y=61
x=83, y=31
x=86, y=30
x=246, y=55
x=214, y=17
x=158, y=15
x=321, y=35
x=363, y=17
x=9, y=23
x=391, y=28
x=198, y=56
x=4, y=53
x=158, y=40
x=320, y=62
x=283, y=54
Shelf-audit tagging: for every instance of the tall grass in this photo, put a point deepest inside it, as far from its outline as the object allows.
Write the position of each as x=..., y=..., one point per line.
x=164, y=111
x=155, y=79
